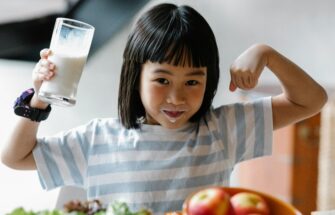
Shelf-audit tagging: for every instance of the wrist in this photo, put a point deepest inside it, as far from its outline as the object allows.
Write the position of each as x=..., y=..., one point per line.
x=266, y=53
x=38, y=112
x=35, y=102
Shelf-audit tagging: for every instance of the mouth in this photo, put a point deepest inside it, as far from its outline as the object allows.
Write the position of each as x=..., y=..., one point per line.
x=173, y=116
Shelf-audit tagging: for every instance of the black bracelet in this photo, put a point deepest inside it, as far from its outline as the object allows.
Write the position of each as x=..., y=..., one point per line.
x=22, y=107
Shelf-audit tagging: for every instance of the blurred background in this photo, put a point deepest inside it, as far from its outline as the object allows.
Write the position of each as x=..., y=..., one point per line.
x=299, y=172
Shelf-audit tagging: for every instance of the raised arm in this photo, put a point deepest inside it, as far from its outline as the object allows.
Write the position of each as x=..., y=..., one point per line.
x=17, y=152
x=302, y=97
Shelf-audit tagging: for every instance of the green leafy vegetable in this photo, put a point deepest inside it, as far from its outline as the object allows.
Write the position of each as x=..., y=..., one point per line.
x=121, y=208
x=116, y=208
x=21, y=211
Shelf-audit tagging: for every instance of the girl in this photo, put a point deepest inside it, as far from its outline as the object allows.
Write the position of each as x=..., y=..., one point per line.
x=169, y=140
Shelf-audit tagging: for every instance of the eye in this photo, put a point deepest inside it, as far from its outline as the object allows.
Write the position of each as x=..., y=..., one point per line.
x=192, y=82
x=162, y=81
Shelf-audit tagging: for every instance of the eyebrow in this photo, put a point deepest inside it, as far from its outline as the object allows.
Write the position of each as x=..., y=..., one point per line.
x=192, y=73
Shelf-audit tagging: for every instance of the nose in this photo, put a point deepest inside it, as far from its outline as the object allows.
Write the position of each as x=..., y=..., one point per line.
x=176, y=96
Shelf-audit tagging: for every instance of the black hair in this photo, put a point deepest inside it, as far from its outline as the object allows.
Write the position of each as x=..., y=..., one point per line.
x=172, y=34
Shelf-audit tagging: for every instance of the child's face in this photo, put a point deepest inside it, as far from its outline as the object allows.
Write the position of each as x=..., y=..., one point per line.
x=171, y=95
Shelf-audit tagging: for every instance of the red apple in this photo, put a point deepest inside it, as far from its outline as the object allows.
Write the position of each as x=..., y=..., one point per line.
x=209, y=201
x=247, y=203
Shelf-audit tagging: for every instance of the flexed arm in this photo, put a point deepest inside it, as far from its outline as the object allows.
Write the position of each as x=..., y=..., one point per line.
x=302, y=96
x=17, y=152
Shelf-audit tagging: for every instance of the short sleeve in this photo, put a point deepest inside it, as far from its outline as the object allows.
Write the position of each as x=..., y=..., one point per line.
x=62, y=159
x=246, y=128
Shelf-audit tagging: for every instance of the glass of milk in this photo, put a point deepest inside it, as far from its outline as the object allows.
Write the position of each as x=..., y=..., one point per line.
x=70, y=43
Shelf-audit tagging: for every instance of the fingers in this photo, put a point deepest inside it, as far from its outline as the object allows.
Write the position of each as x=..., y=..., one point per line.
x=44, y=70
x=44, y=53
x=244, y=80
x=232, y=86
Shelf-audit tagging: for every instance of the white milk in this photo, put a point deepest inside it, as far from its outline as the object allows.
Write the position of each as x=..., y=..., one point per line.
x=62, y=88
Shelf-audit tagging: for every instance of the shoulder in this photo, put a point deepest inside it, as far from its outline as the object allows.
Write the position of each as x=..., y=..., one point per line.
x=259, y=102
x=260, y=106
x=99, y=124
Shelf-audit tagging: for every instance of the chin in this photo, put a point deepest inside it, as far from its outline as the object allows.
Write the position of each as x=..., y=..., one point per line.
x=166, y=123
x=173, y=125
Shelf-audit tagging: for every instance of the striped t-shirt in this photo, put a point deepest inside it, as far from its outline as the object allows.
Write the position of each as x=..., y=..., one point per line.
x=155, y=167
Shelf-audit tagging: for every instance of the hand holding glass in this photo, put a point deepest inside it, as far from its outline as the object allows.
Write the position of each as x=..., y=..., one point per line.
x=70, y=44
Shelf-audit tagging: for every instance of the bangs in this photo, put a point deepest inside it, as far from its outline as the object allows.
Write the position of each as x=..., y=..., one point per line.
x=168, y=38
x=177, y=35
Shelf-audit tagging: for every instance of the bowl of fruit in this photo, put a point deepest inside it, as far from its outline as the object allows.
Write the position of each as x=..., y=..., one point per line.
x=219, y=200
x=214, y=200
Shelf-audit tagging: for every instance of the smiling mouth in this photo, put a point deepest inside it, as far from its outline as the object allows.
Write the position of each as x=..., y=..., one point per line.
x=173, y=116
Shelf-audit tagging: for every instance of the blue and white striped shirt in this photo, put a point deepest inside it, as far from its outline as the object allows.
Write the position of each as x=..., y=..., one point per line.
x=154, y=167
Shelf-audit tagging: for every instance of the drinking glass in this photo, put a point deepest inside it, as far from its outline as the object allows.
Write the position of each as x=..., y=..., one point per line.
x=70, y=44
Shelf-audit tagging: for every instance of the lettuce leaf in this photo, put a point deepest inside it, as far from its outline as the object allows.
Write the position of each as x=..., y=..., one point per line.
x=22, y=211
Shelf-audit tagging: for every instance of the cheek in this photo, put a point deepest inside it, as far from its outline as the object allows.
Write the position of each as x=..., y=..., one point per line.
x=157, y=92
x=151, y=94
x=197, y=96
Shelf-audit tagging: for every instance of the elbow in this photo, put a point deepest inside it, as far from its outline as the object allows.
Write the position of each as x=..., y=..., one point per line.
x=318, y=101
x=11, y=164
x=323, y=98
x=5, y=160
x=26, y=163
